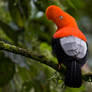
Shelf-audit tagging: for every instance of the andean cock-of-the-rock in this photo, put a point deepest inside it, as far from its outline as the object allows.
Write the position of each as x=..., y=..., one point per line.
x=69, y=45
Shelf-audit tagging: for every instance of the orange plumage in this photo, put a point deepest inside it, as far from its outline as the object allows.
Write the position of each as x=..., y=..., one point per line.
x=69, y=45
x=67, y=25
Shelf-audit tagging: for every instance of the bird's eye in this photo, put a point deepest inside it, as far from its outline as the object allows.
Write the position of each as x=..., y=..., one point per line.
x=61, y=17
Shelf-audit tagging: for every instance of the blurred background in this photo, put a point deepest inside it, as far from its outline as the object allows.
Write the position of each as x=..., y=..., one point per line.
x=24, y=24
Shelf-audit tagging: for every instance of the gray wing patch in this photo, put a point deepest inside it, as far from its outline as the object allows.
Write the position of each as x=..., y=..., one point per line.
x=73, y=46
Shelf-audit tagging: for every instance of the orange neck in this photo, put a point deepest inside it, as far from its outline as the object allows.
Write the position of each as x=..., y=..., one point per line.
x=72, y=24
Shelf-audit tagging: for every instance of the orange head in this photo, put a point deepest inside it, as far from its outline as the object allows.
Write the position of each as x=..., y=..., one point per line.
x=59, y=17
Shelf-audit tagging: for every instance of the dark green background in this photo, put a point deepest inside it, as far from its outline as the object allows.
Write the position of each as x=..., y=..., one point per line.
x=24, y=24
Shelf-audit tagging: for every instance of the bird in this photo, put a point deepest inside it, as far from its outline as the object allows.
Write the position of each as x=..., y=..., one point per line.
x=69, y=45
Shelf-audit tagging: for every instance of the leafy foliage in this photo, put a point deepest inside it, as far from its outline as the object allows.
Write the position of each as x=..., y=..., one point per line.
x=23, y=23
x=6, y=72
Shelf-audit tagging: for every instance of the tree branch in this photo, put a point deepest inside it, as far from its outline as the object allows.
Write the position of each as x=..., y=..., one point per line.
x=41, y=59
x=27, y=53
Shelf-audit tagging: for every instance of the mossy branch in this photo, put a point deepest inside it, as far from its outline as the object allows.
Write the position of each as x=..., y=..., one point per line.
x=41, y=59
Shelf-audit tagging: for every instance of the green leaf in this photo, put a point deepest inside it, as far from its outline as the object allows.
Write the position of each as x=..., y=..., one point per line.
x=76, y=5
x=71, y=4
x=81, y=89
x=16, y=12
x=7, y=69
x=47, y=51
x=10, y=32
x=45, y=46
x=43, y=4
x=25, y=6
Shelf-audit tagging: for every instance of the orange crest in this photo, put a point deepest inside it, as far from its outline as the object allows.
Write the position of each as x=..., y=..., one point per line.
x=66, y=24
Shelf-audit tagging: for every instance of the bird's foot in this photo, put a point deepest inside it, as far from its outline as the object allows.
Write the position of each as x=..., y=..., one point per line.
x=59, y=66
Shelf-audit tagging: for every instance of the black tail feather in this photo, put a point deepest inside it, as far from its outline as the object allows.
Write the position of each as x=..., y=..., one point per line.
x=73, y=75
